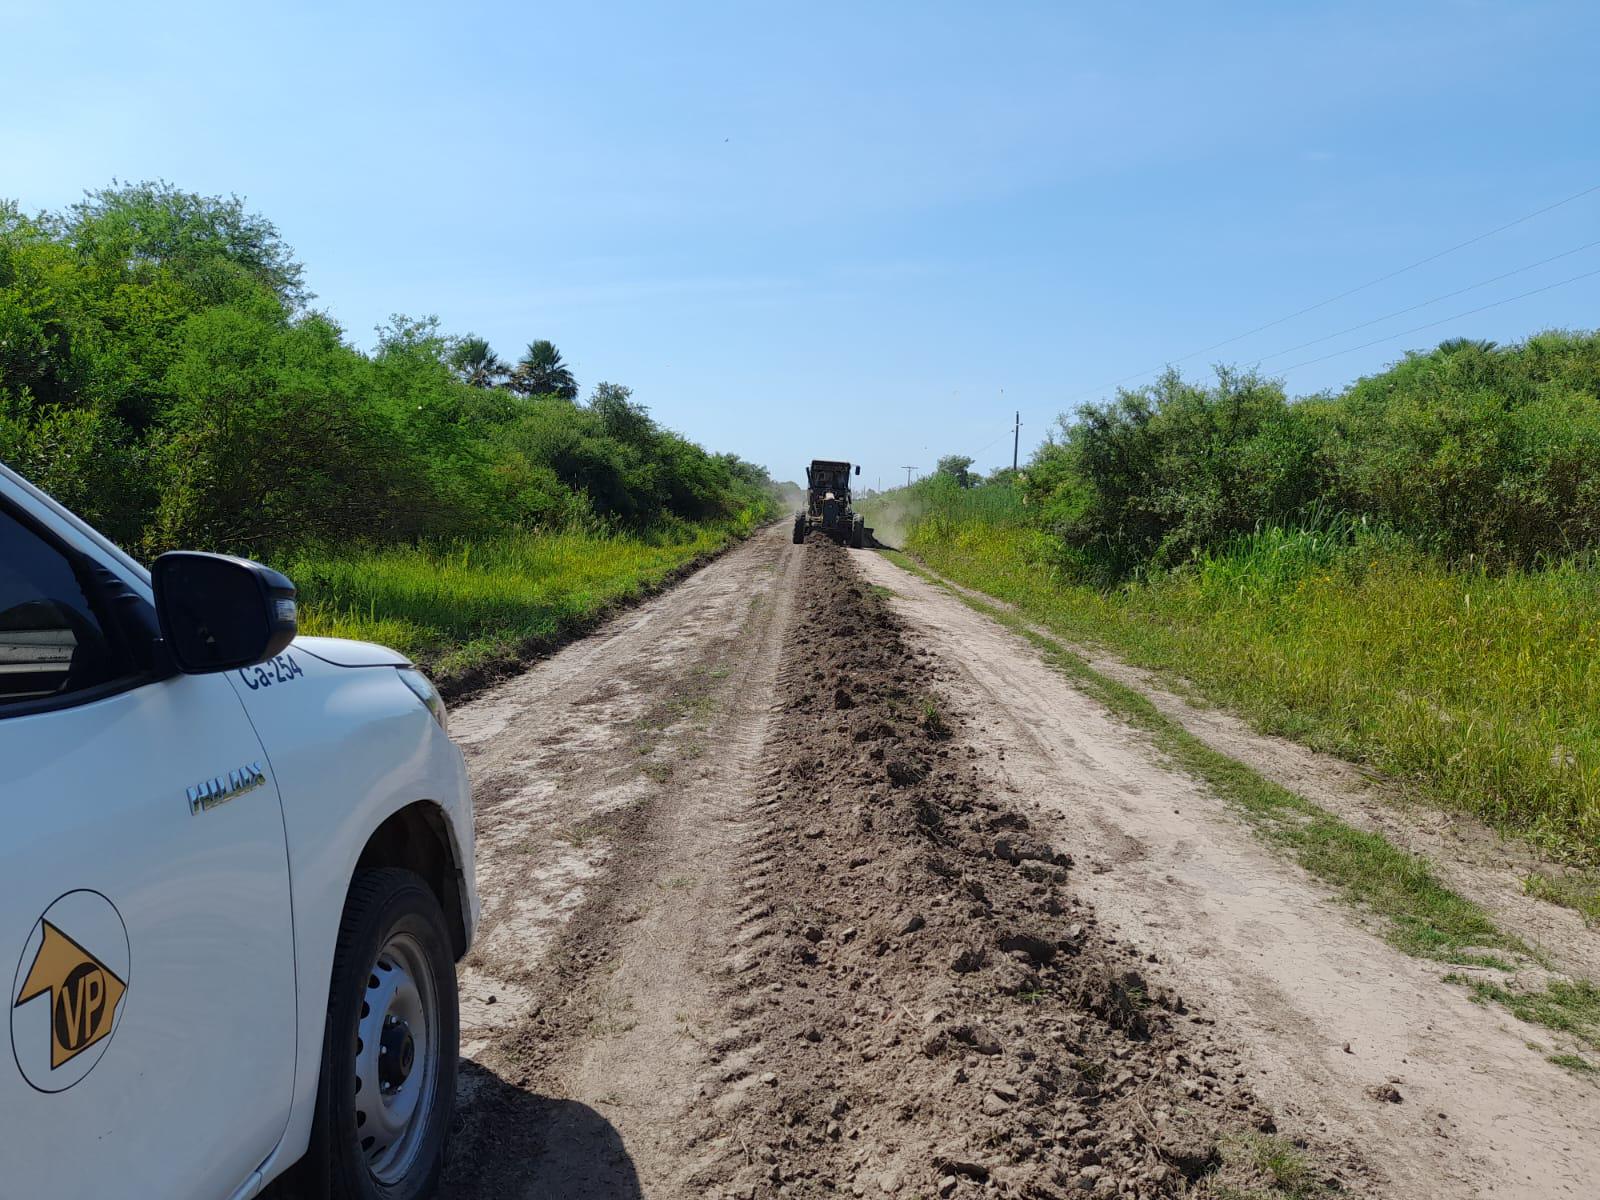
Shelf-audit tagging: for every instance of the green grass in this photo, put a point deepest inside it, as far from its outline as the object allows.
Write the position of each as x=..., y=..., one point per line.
x=1571, y=1007
x=1579, y=890
x=1415, y=912
x=1479, y=691
x=1573, y=1062
x=1284, y=1172
x=932, y=719
x=459, y=607
x=1418, y=914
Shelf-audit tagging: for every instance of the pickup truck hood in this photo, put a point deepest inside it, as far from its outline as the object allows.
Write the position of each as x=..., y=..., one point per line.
x=343, y=653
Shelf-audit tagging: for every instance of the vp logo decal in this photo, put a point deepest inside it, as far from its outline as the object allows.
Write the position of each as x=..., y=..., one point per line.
x=83, y=992
x=70, y=984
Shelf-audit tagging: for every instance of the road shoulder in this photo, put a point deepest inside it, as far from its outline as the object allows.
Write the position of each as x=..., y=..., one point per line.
x=1293, y=977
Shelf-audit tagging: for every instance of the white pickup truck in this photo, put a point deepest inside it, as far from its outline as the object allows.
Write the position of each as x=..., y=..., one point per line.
x=236, y=874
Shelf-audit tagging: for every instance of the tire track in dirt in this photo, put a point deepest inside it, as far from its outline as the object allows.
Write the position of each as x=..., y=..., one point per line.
x=1470, y=857
x=1323, y=1010
x=783, y=896
x=610, y=780
x=919, y=1003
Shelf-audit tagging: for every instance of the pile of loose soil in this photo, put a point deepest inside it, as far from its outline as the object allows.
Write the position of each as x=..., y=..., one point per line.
x=919, y=1004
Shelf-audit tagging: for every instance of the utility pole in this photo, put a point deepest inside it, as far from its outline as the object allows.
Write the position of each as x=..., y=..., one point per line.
x=1016, y=439
x=908, y=475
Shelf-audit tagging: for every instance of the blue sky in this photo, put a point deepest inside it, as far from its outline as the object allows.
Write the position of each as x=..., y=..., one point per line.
x=871, y=230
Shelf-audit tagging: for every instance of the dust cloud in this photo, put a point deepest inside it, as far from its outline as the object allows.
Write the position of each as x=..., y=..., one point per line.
x=891, y=515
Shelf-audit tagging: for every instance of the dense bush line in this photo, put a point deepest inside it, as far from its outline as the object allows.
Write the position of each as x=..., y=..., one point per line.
x=162, y=372
x=1477, y=688
x=1472, y=452
x=1404, y=573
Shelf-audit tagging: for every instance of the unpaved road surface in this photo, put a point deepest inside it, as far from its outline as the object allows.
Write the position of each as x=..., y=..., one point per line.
x=803, y=879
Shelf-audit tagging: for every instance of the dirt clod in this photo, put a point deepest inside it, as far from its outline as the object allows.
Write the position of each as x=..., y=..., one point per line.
x=980, y=1030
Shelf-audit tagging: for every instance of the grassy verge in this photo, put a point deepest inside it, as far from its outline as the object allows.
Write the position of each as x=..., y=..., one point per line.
x=1480, y=692
x=1579, y=890
x=1573, y=1062
x=471, y=607
x=1413, y=910
x=1569, y=1007
x=1419, y=914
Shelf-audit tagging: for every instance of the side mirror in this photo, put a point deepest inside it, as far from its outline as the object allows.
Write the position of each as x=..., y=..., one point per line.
x=220, y=613
x=858, y=468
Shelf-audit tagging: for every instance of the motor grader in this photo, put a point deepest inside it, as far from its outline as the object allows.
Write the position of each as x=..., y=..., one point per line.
x=828, y=509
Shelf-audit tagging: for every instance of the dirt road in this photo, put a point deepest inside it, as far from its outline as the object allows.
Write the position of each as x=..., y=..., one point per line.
x=804, y=879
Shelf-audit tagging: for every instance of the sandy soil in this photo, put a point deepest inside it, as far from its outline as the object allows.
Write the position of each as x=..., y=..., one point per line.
x=611, y=780
x=1466, y=854
x=793, y=890
x=1324, y=1010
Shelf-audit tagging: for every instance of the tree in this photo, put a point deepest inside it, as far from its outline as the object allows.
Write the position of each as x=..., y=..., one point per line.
x=540, y=372
x=620, y=417
x=161, y=373
x=476, y=363
x=1457, y=344
x=957, y=467
x=248, y=387
x=131, y=225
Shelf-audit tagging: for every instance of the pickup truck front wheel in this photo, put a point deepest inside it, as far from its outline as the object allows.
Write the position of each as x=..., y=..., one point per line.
x=389, y=1055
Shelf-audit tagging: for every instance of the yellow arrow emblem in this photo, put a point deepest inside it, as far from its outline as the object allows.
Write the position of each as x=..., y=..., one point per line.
x=84, y=994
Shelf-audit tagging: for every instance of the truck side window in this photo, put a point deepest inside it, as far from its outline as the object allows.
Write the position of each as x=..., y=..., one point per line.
x=52, y=643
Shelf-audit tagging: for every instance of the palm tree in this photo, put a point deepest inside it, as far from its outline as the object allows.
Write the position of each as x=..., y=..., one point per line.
x=477, y=364
x=1456, y=344
x=541, y=372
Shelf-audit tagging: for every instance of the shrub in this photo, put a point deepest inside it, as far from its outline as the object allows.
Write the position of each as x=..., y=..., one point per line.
x=1479, y=453
x=161, y=373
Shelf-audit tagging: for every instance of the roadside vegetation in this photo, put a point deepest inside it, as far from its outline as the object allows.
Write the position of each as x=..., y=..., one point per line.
x=164, y=373
x=469, y=605
x=1403, y=573
x=1408, y=905
x=1417, y=913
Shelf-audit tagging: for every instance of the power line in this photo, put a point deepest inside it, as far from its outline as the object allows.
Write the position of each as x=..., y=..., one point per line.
x=997, y=441
x=1400, y=312
x=1472, y=241
x=1444, y=320
x=975, y=453
x=1014, y=431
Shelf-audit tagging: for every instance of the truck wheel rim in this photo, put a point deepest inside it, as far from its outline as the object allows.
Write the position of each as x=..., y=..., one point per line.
x=396, y=1074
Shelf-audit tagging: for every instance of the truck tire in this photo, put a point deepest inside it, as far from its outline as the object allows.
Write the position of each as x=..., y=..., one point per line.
x=858, y=538
x=389, y=1050
x=799, y=531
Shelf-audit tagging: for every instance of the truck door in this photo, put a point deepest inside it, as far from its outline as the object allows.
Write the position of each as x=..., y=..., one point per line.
x=146, y=939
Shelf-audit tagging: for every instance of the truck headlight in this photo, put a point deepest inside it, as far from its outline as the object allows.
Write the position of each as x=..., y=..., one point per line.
x=423, y=687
